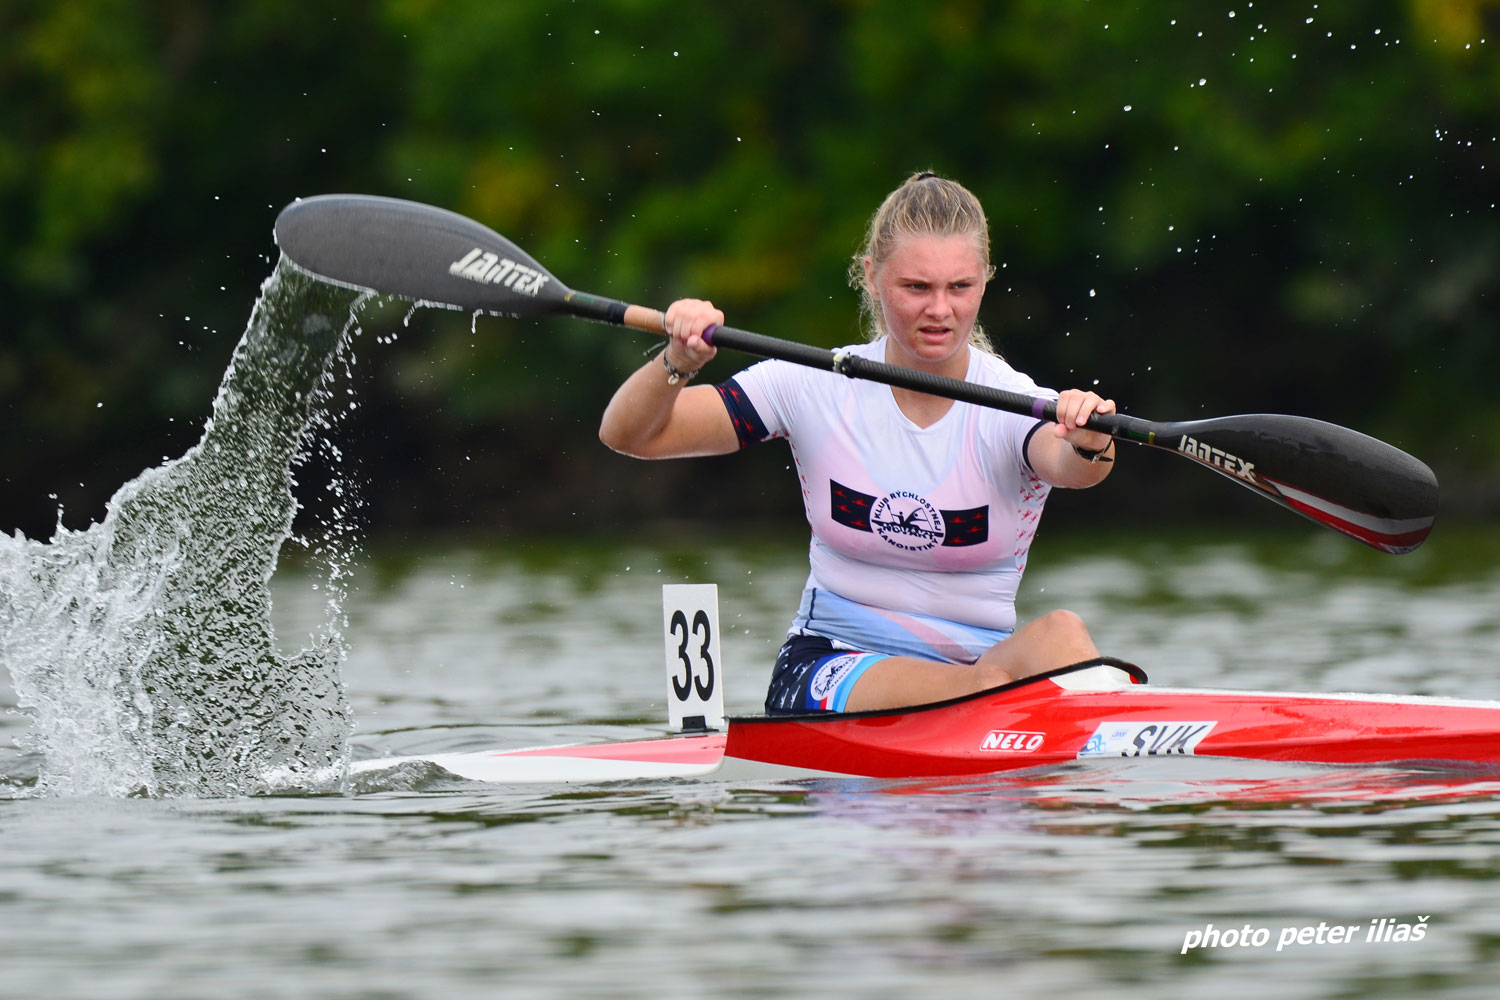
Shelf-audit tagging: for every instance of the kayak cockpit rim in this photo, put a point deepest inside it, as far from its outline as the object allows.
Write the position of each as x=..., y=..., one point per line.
x=1135, y=673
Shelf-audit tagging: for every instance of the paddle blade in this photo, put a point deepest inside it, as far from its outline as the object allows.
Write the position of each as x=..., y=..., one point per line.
x=415, y=251
x=1342, y=479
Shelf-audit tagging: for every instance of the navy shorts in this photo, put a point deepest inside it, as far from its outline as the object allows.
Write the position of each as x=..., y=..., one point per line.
x=812, y=675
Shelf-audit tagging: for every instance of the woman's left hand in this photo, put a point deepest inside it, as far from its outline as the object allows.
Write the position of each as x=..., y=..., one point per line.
x=1074, y=407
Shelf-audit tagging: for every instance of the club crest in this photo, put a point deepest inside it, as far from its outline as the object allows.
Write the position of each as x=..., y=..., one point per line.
x=907, y=521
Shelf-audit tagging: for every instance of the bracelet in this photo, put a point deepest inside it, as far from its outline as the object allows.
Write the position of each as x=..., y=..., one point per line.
x=1094, y=456
x=675, y=374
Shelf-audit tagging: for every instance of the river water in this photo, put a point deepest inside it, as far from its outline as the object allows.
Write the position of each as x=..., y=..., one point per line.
x=1079, y=882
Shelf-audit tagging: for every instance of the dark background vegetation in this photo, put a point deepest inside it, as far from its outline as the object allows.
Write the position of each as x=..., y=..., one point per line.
x=1207, y=208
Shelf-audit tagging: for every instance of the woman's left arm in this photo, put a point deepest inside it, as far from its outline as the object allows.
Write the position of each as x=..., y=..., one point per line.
x=1068, y=455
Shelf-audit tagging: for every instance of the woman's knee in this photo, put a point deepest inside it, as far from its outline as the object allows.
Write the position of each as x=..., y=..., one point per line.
x=1064, y=625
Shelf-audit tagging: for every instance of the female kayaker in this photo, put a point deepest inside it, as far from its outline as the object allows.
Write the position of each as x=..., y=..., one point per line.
x=922, y=509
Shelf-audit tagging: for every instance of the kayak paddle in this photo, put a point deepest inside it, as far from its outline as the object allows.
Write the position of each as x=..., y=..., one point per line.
x=1342, y=479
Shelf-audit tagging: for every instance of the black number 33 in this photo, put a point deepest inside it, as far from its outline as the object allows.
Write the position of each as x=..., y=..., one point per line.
x=684, y=685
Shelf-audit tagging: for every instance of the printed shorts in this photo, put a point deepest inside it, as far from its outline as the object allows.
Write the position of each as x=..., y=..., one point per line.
x=811, y=675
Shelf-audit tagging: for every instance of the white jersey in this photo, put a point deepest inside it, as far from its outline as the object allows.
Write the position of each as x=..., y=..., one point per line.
x=921, y=528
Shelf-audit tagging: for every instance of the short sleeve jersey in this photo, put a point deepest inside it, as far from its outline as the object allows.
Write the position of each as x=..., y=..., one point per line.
x=935, y=520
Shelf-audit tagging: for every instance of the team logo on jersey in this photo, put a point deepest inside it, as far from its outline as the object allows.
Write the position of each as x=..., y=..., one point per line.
x=907, y=520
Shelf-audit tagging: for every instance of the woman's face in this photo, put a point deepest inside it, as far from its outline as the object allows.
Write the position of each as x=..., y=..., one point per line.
x=928, y=293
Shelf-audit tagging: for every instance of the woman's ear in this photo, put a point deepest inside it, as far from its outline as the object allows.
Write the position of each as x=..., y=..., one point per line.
x=870, y=279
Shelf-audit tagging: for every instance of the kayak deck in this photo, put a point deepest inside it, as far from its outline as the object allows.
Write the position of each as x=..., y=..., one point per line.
x=1030, y=725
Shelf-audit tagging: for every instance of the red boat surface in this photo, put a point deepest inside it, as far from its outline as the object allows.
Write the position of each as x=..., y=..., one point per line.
x=1098, y=709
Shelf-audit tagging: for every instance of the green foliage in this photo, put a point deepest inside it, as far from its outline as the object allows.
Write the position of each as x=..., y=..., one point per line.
x=1271, y=207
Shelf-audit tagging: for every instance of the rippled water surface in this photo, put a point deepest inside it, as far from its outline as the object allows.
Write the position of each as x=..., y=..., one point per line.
x=1078, y=882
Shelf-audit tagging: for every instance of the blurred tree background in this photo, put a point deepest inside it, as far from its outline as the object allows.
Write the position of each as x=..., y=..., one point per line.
x=1207, y=208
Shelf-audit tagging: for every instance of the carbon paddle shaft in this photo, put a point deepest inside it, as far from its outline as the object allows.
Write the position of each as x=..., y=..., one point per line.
x=1344, y=480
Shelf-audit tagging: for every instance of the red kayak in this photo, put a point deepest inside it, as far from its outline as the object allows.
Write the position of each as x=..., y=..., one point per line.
x=1099, y=709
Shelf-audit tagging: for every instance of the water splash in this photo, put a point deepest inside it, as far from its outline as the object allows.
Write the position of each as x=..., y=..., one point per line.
x=142, y=647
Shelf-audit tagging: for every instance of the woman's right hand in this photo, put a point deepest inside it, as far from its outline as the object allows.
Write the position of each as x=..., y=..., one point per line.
x=655, y=413
x=686, y=321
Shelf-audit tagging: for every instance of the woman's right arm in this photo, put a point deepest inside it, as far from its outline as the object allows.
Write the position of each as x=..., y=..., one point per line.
x=650, y=416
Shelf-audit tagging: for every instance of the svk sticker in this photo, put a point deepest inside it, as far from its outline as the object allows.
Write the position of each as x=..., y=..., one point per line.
x=1146, y=739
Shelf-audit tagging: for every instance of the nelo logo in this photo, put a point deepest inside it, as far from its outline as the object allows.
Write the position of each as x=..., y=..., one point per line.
x=1015, y=742
x=490, y=269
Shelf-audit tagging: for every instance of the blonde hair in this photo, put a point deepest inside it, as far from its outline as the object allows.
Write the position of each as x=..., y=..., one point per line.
x=924, y=205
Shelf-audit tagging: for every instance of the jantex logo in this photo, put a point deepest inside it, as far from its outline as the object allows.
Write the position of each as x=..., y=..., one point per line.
x=489, y=269
x=1209, y=455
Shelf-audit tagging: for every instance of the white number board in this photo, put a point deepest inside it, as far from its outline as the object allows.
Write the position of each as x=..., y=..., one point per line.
x=695, y=679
